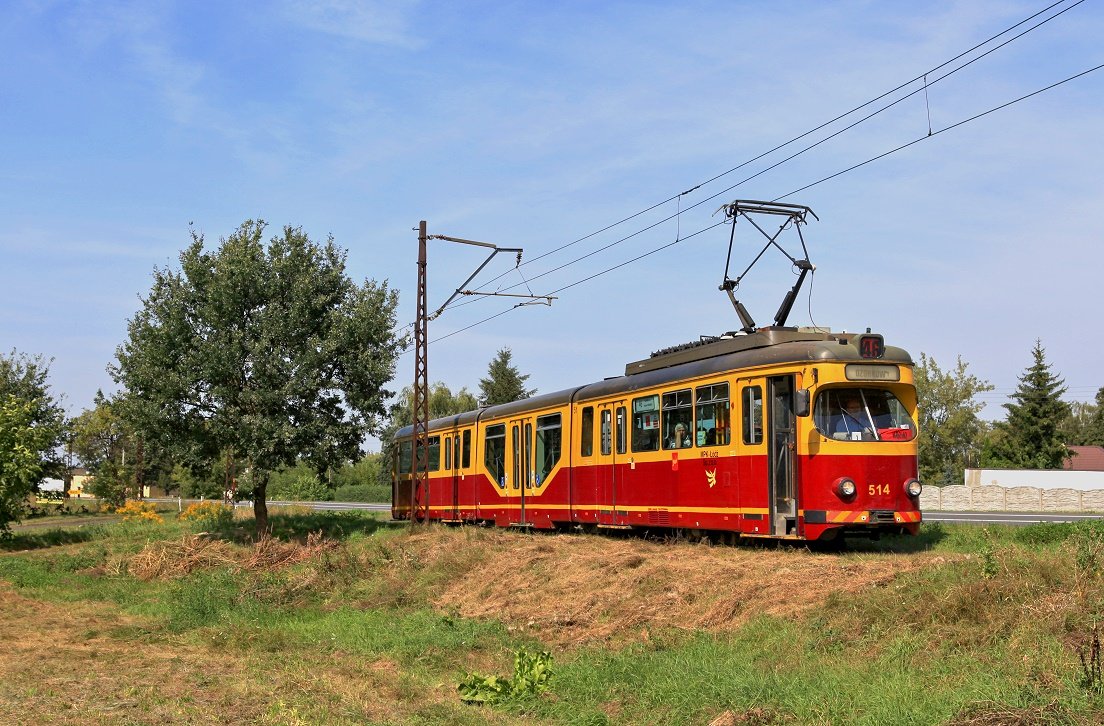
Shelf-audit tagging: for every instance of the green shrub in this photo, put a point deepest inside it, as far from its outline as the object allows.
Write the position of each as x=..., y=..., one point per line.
x=1044, y=533
x=208, y=514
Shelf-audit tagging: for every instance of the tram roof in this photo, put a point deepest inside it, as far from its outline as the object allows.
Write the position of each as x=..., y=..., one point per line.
x=761, y=348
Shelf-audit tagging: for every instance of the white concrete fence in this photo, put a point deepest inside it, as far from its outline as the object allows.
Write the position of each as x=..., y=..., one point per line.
x=1010, y=490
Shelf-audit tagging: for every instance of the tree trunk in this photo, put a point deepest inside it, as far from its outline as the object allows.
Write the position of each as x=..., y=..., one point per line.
x=260, y=506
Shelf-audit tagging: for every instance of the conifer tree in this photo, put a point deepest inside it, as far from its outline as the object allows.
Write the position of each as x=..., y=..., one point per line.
x=1030, y=437
x=504, y=382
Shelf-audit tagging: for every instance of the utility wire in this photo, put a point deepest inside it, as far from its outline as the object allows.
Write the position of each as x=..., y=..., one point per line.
x=940, y=131
x=800, y=189
x=813, y=130
x=922, y=89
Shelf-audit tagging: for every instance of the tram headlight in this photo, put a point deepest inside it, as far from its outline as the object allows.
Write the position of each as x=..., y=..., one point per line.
x=913, y=487
x=845, y=487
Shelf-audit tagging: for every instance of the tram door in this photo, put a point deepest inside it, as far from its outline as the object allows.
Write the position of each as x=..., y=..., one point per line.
x=612, y=438
x=781, y=442
x=521, y=465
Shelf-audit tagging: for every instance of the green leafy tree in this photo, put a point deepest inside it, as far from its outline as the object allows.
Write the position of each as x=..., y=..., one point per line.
x=1085, y=424
x=951, y=433
x=1094, y=430
x=1029, y=438
x=21, y=458
x=504, y=382
x=269, y=350
x=1076, y=428
x=107, y=447
x=199, y=482
x=32, y=428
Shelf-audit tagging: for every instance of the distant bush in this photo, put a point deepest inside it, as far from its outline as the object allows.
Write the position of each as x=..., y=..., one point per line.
x=302, y=487
x=1046, y=533
x=1043, y=533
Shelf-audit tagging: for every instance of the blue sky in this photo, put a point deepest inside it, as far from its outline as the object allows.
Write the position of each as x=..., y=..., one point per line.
x=534, y=124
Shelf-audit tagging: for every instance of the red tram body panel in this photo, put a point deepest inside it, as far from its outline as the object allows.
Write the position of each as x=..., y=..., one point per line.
x=781, y=433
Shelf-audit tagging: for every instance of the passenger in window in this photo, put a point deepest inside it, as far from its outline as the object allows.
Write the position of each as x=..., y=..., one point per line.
x=679, y=439
x=851, y=421
x=711, y=437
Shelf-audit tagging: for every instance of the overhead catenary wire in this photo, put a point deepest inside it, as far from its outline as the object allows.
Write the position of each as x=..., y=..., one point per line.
x=726, y=190
x=942, y=130
x=800, y=189
x=921, y=77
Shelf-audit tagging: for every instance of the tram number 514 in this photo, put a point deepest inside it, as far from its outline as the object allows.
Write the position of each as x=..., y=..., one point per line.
x=875, y=489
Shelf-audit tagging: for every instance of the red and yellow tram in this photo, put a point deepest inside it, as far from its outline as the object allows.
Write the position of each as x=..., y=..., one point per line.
x=780, y=433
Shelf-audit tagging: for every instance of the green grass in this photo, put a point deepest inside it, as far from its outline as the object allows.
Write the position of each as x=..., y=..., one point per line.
x=994, y=624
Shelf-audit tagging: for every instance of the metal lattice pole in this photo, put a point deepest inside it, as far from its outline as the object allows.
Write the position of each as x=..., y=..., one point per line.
x=419, y=485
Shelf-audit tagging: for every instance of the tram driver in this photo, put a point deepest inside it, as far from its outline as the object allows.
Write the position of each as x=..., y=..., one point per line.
x=852, y=421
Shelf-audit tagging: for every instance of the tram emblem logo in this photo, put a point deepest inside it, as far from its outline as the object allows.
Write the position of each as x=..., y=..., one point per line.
x=711, y=477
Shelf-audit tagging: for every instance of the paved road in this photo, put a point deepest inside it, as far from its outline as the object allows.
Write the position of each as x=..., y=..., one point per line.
x=63, y=522
x=978, y=518
x=329, y=506
x=1014, y=518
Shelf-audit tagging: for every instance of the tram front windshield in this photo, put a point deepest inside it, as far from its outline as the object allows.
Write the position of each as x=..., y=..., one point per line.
x=862, y=414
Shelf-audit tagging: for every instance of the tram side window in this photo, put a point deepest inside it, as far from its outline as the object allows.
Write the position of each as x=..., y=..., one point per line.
x=678, y=419
x=645, y=423
x=586, y=436
x=406, y=453
x=607, y=432
x=621, y=427
x=448, y=453
x=494, y=457
x=548, y=445
x=466, y=456
x=712, y=415
x=753, y=415
x=434, y=453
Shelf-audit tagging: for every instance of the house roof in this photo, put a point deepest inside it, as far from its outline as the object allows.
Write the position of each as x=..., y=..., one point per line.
x=1085, y=458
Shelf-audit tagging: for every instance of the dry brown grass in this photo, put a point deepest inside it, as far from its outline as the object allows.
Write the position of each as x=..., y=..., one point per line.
x=751, y=717
x=567, y=589
x=94, y=665
x=995, y=714
x=178, y=558
x=577, y=589
x=58, y=666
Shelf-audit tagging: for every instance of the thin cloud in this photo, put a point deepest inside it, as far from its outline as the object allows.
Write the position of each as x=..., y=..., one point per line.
x=383, y=23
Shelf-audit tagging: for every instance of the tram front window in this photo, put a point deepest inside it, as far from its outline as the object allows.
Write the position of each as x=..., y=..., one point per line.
x=862, y=414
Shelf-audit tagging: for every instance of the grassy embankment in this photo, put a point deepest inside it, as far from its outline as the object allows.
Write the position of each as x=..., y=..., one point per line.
x=370, y=623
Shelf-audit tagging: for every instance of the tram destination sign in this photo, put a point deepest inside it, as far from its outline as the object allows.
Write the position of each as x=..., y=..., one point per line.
x=871, y=346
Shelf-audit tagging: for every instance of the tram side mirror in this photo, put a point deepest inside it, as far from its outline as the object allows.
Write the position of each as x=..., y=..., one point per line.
x=801, y=402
